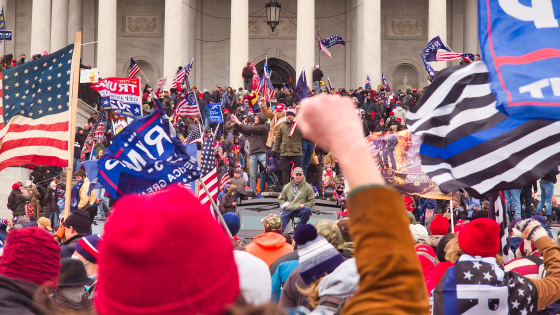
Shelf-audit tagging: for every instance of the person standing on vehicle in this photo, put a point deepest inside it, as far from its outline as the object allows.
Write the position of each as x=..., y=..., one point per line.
x=297, y=198
x=288, y=145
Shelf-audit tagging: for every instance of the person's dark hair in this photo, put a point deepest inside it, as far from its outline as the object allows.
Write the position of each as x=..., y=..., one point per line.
x=80, y=172
x=241, y=307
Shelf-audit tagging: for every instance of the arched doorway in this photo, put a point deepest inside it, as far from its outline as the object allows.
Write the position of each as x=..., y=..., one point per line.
x=280, y=72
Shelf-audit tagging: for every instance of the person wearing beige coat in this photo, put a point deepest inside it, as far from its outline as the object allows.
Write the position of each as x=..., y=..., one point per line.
x=277, y=118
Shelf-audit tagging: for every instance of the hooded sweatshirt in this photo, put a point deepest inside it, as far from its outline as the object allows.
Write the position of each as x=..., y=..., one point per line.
x=269, y=246
x=258, y=134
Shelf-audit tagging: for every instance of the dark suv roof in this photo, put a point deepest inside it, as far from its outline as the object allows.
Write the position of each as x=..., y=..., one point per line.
x=252, y=211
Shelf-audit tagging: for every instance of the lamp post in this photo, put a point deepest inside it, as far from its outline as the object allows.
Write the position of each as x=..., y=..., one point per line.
x=273, y=13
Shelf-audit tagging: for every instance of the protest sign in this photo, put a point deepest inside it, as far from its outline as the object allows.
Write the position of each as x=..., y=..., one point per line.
x=145, y=157
x=397, y=155
x=120, y=95
x=161, y=83
x=89, y=76
x=216, y=113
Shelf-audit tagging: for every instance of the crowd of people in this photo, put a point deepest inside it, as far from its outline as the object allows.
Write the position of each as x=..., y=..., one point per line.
x=165, y=254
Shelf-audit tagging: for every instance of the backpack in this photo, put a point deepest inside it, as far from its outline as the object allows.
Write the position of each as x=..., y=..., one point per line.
x=12, y=202
x=247, y=72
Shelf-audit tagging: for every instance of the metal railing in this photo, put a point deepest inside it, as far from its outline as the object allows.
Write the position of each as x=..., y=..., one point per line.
x=89, y=95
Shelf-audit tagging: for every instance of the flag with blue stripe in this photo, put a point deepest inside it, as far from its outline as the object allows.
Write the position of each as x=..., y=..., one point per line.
x=468, y=143
x=387, y=88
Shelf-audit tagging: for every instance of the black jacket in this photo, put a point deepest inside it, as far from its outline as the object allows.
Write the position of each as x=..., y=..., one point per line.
x=67, y=248
x=20, y=297
x=258, y=134
x=20, y=202
x=317, y=75
x=550, y=176
x=50, y=203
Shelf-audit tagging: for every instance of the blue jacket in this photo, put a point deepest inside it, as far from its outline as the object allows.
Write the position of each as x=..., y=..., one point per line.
x=280, y=271
x=472, y=201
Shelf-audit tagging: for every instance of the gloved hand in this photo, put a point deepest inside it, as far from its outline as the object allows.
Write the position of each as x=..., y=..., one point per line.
x=530, y=230
x=275, y=154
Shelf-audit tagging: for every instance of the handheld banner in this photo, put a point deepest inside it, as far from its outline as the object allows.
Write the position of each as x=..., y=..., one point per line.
x=120, y=95
x=216, y=113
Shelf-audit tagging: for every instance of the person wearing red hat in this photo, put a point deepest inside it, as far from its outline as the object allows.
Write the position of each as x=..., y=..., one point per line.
x=400, y=112
x=439, y=225
x=276, y=119
x=475, y=252
x=17, y=200
x=181, y=263
x=427, y=257
x=29, y=269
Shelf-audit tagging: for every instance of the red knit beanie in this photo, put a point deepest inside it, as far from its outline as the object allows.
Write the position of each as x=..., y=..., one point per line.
x=180, y=261
x=15, y=186
x=391, y=114
x=480, y=237
x=31, y=254
x=440, y=225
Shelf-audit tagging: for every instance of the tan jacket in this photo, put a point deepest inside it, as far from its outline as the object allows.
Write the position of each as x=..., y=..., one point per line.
x=86, y=200
x=275, y=123
x=391, y=279
x=329, y=159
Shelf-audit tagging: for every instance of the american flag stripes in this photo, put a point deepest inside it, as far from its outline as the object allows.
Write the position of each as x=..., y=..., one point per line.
x=188, y=69
x=34, y=111
x=497, y=212
x=468, y=143
x=257, y=86
x=194, y=136
x=225, y=180
x=179, y=78
x=187, y=106
x=133, y=69
x=268, y=92
x=208, y=173
x=323, y=48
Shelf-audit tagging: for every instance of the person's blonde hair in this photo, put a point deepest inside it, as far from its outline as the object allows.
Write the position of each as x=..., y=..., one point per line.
x=453, y=251
x=312, y=292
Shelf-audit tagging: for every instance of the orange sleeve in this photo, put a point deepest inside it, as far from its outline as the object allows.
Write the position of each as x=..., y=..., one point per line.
x=391, y=279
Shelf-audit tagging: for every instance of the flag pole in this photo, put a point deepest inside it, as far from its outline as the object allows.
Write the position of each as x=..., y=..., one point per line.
x=319, y=36
x=215, y=207
x=72, y=121
x=452, y=220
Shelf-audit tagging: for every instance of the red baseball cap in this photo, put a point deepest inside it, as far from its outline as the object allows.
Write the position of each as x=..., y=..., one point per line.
x=280, y=107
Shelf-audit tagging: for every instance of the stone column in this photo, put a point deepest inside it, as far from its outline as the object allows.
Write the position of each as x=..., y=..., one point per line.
x=75, y=19
x=40, y=27
x=107, y=39
x=59, y=30
x=368, y=43
x=172, y=57
x=306, y=39
x=437, y=25
x=188, y=43
x=192, y=40
x=239, y=41
x=470, y=27
x=88, y=51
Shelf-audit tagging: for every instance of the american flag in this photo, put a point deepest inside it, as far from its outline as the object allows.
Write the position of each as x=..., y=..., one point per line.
x=257, y=86
x=187, y=70
x=133, y=69
x=447, y=56
x=194, y=136
x=226, y=180
x=179, y=78
x=497, y=212
x=323, y=48
x=34, y=111
x=187, y=106
x=268, y=92
x=208, y=173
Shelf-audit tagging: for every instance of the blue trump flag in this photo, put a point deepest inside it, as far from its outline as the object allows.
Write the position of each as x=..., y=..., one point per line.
x=301, y=86
x=333, y=40
x=216, y=113
x=368, y=83
x=387, y=88
x=2, y=20
x=522, y=52
x=433, y=46
x=431, y=72
x=146, y=156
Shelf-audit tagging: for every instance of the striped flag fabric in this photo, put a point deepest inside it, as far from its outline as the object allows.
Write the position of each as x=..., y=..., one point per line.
x=194, y=136
x=257, y=86
x=187, y=70
x=34, y=111
x=179, y=78
x=447, y=56
x=133, y=69
x=468, y=143
x=209, y=174
x=225, y=180
x=268, y=91
x=497, y=212
x=187, y=106
x=323, y=48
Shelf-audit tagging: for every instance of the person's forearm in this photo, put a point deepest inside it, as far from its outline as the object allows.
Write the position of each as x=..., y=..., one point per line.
x=548, y=289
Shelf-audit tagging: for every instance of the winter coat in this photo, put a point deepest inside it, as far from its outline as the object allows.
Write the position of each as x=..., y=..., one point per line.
x=280, y=271
x=368, y=107
x=304, y=195
x=433, y=277
x=35, y=200
x=226, y=204
x=400, y=113
x=379, y=108
x=20, y=202
x=269, y=247
x=20, y=297
x=258, y=134
x=291, y=296
x=342, y=282
x=275, y=123
x=317, y=75
x=51, y=200
x=288, y=145
x=85, y=200
x=67, y=248
x=550, y=177
x=330, y=159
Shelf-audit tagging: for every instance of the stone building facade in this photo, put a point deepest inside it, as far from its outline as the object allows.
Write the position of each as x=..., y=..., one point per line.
x=222, y=35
